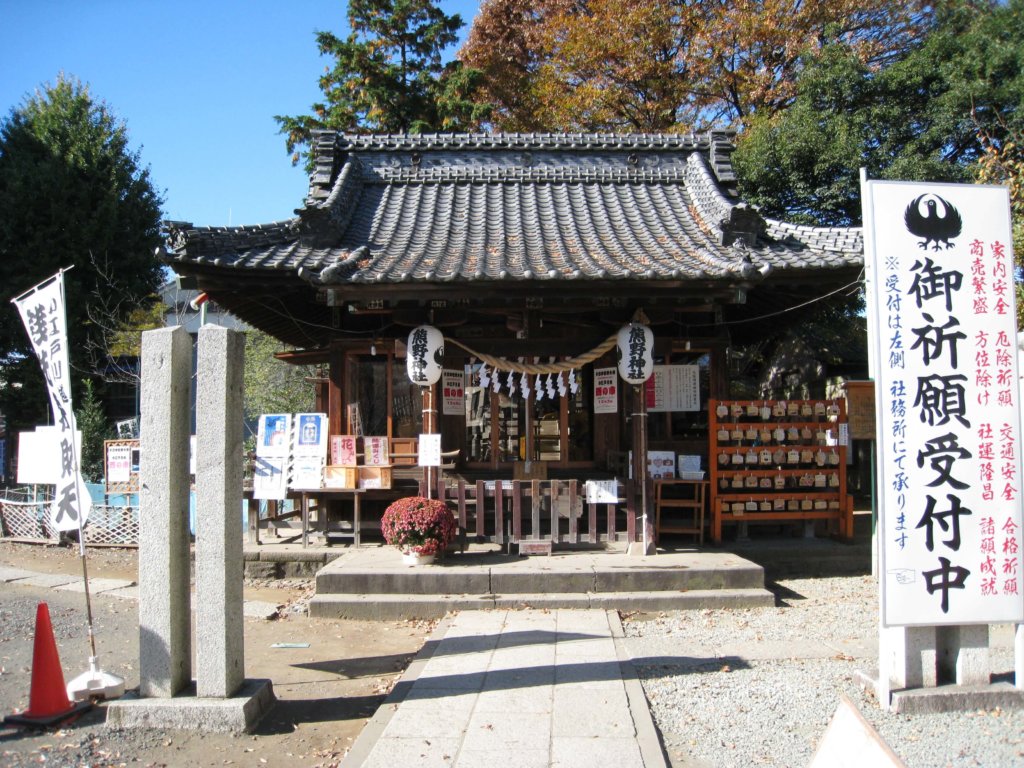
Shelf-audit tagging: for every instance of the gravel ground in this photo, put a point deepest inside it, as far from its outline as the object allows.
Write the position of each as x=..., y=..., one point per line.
x=726, y=687
x=758, y=687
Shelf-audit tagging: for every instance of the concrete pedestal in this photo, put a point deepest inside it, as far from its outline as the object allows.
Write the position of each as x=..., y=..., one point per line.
x=937, y=669
x=235, y=714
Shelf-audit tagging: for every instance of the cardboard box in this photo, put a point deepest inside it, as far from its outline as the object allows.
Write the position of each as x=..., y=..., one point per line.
x=374, y=477
x=340, y=477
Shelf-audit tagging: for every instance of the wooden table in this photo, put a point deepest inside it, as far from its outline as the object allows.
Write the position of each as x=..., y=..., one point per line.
x=306, y=494
x=274, y=515
x=687, y=495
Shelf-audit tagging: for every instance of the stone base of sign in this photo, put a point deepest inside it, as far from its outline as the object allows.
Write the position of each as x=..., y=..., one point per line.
x=962, y=654
x=924, y=657
x=235, y=714
x=942, y=698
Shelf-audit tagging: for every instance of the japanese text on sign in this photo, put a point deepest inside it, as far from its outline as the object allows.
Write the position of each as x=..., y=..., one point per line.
x=945, y=365
x=43, y=313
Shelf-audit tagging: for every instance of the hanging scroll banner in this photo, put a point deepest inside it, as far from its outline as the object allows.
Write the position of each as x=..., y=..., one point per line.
x=943, y=343
x=42, y=312
x=453, y=393
x=635, y=348
x=606, y=399
x=424, y=355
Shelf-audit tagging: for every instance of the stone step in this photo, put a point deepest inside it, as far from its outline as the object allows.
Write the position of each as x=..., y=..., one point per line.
x=541, y=575
x=388, y=607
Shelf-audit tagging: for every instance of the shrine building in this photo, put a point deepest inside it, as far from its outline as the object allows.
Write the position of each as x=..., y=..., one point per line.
x=529, y=253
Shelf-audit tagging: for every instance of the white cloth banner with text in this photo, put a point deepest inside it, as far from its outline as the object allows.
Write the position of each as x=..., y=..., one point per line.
x=42, y=312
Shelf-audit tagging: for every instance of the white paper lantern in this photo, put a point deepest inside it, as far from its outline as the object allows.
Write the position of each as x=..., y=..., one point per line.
x=635, y=352
x=424, y=355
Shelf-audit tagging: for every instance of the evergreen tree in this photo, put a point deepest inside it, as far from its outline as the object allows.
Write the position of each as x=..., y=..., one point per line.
x=95, y=429
x=72, y=193
x=388, y=75
x=918, y=118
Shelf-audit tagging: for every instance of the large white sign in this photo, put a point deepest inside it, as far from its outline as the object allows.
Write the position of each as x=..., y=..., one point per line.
x=673, y=388
x=42, y=312
x=942, y=323
x=39, y=455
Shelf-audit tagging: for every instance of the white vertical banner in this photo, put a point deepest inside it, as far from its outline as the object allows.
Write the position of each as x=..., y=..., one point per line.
x=453, y=392
x=42, y=312
x=606, y=399
x=941, y=310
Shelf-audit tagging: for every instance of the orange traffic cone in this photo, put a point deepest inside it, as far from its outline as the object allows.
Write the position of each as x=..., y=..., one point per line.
x=48, y=701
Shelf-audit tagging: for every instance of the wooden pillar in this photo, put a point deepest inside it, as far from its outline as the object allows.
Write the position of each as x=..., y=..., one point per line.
x=336, y=391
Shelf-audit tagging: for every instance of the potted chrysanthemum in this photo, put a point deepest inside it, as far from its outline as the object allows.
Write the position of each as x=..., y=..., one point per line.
x=420, y=527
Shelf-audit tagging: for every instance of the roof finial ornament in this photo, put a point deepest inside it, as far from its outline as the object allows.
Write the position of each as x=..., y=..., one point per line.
x=742, y=225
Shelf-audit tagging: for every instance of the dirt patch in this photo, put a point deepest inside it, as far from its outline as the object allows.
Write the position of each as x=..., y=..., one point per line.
x=325, y=691
x=108, y=562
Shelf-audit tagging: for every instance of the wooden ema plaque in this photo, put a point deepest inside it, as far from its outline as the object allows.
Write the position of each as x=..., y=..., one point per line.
x=860, y=409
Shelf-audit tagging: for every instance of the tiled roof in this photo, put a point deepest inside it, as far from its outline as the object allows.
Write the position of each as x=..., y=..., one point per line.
x=515, y=207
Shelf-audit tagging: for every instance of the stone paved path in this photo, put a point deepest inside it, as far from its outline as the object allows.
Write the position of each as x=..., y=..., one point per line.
x=516, y=689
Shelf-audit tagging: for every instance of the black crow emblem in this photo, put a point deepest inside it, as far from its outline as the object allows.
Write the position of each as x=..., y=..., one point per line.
x=934, y=226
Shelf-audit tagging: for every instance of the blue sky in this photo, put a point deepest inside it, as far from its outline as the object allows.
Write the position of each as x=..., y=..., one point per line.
x=197, y=84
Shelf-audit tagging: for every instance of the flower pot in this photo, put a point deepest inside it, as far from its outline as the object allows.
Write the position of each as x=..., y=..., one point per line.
x=411, y=558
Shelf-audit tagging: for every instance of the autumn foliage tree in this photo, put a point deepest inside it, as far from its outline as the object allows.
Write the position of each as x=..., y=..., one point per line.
x=505, y=44
x=656, y=65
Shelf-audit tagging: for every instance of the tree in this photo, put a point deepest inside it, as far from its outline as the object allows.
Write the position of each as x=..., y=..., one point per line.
x=273, y=386
x=72, y=193
x=916, y=118
x=388, y=75
x=1003, y=163
x=95, y=428
x=505, y=44
x=667, y=64
x=118, y=321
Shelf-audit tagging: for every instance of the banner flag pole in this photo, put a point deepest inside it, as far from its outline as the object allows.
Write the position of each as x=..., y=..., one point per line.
x=43, y=312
